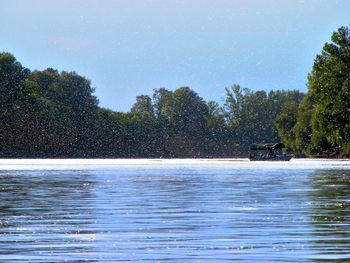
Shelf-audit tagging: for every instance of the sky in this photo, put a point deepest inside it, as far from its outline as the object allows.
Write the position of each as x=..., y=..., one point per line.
x=128, y=48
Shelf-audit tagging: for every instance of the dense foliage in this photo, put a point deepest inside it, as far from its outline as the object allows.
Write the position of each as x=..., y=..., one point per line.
x=320, y=124
x=55, y=114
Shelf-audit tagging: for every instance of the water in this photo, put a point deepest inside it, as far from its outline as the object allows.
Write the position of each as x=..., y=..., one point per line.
x=174, y=211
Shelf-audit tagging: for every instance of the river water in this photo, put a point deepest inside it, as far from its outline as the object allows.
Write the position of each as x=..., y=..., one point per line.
x=174, y=211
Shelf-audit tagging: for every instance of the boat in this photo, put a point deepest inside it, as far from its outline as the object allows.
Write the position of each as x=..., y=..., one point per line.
x=268, y=152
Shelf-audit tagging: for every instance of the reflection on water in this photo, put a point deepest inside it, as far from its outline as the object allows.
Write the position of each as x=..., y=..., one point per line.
x=180, y=213
x=41, y=213
x=330, y=210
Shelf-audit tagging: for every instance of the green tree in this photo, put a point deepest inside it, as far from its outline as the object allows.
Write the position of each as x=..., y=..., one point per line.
x=81, y=106
x=143, y=105
x=291, y=104
x=51, y=124
x=111, y=132
x=233, y=105
x=250, y=115
x=302, y=129
x=329, y=82
x=188, y=117
x=285, y=122
x=181, y=122
x=219, y=138
x=12, y=97
x=162, y=104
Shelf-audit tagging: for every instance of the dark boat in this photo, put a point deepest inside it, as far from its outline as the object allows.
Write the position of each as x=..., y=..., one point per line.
x=268, y=152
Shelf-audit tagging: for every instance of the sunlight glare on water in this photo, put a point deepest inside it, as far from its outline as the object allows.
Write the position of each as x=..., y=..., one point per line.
x=102, y=164
x=174, y=210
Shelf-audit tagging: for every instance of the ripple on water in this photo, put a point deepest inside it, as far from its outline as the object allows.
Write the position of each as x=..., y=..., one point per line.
x=175, y=211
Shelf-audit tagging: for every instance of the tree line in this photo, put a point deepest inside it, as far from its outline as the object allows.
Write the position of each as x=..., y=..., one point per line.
x=56, y=114
x=320, y=124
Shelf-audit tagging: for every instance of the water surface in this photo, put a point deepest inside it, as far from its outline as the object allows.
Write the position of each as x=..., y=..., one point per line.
x=174, y=211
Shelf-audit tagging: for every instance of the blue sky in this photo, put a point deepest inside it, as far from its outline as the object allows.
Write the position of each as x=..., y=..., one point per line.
x=128, y=48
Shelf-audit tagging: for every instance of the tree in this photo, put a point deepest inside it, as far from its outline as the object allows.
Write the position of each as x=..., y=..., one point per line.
x=162, y=100
x=12, y=97
x=143, y=105
x=250, y=115
x=322, y=118
x=188, y=117
x=302, y=129
x=291, y=104
x=81, y=106
x=329, y=82
x=111, y=132
x=55, y=114
x=218, y=141
x=233, y=105
x=51, y=125
x=285, y=122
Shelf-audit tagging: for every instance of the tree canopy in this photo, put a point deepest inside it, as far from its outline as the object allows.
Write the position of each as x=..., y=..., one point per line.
x=56, y=114
x=321, y=123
